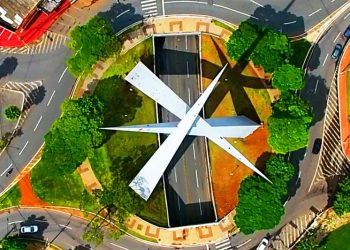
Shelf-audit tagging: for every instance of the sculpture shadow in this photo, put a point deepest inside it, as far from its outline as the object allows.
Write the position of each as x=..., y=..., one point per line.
x=34, y=97
x=121, y=15
x=40, y=221
x=182, y=213
x=8, y=66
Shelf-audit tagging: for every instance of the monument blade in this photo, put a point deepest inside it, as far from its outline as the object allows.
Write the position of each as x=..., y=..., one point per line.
x=148, y=177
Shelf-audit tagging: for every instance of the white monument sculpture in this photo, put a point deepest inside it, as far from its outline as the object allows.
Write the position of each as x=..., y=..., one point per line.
x=191, y=123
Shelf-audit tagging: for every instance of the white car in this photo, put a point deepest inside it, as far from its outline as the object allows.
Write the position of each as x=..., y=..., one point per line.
x=263, y=244
x=29, y=229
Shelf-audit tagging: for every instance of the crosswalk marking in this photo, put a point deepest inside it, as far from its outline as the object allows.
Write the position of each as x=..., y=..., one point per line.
x=48, y=43
x=149, y=7
x=223, y=245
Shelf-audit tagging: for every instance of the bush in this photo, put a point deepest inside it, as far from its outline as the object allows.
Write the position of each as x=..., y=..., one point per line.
x=342, y=198
x=12, y=113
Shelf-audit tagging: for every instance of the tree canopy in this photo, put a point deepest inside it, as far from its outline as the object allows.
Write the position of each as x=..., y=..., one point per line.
x=288, y=77
x=73, y=136
x=289, y=124
x=260, y=203
x=12, y=113
x=342, y=197
x=13, y=243
x=91, y=42
x=263, y=46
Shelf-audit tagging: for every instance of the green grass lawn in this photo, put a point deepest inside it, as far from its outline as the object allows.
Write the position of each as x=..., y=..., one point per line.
x=11, y=198
x=338, y=239
x=61, y=190
x=125, y=107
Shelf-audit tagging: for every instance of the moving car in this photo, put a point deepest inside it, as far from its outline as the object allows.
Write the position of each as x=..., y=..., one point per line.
x=29, y=229
x=317, y=146
x=337, y=51
x=346, y=33
x=263, y=244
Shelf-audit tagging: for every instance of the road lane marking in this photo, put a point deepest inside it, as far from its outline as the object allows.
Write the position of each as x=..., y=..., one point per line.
x=25, y=145
x=325, y=59
x=186, y=41
x=194, y=152
x=148, y=4
x=124, y=248
x=37, y=124
x=236, y=11
x=291, y=22
x=124, y=12
x=41, y=220
x=178, y=203
x=336, y=37
x=188, y=75
x=59, y=80
x=183, y=1
x=347, y=16
x=316, y=86
x=200, y=206
x=149, y=8
x=197, y=179
x=189, y=96
x=257, y=3
x=147, y=1
x=50, y=98
x=175, y=175
x=6, y=169
x=13, y=222
x=65, y=226
x=313, y=13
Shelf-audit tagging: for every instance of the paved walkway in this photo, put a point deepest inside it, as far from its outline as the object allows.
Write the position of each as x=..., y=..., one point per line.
x=343, y=74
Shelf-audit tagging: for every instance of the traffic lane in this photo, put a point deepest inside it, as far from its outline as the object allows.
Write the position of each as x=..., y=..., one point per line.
x=294, y=17
x=24, y=146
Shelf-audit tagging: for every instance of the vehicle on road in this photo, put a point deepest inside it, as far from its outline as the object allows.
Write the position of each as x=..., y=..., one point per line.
x=346, y=33
x=337, y=51
x=317, y=146
x=29, y=229
x=263, y=244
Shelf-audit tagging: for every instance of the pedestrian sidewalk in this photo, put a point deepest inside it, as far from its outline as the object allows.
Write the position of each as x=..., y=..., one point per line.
x=343, y=97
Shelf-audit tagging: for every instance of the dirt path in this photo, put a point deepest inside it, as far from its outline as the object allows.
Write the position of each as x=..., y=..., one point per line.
x=28, y=197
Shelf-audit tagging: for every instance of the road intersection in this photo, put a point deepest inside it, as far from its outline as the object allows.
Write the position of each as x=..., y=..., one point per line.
x=51, y=70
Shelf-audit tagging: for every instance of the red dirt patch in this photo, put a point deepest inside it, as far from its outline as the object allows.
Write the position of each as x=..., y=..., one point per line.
x=242, y=93
x=28, y=197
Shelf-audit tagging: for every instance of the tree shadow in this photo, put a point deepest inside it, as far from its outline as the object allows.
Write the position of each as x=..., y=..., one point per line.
x=8, y=66
x=121, y=15
x=82, y=247
x=280, y=21
x=35, y=97
x=260, y=162
x=41, y=222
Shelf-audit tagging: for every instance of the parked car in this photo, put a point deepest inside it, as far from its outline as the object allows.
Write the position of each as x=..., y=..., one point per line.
x=263, y=244
x=29, y=229
x=317, y=146
x=346, y=33
x=337, y=51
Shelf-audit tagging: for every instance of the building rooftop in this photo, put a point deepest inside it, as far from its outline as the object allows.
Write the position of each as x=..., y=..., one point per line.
x=13, y=12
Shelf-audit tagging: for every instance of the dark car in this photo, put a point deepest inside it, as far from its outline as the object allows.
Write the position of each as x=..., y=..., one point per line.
x=346, y=33
x=337, y=51
x=317, y=146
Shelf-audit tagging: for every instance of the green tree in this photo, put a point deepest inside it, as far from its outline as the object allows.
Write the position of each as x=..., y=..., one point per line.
x=342, y=197
x=300, y=49
x=263, y=46
x=13, y=243
x=73, y=136
x=2, y=144
x=12, y=113
x=288, y=77
x=91, y=42
x=289, y=124
x=94, y=234
x=260, y=203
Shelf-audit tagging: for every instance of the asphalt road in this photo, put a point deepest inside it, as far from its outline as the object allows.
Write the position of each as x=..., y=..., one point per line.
x=187, y=176
x=65, y=230
x=57, y=84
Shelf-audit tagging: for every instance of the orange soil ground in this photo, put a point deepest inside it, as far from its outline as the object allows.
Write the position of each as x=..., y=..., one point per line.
x=28, y=197
x=227, y=172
